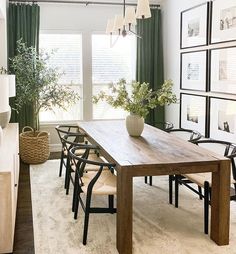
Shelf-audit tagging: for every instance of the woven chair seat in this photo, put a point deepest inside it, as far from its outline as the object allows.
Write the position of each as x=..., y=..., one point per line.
x=200, y=178
x=77, y=152
x=105, y=185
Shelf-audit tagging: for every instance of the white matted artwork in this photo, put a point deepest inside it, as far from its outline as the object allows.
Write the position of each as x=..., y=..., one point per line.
x=194, y=26
x=223, y=21
x=194, y=70
x=223, y=70
x=223, y=119
x=193, y=112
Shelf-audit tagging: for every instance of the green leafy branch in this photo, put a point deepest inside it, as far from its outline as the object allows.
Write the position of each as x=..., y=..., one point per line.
x=141, y=98
x=37, y=82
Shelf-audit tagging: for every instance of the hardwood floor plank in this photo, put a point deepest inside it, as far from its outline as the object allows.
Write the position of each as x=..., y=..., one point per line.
x=24, y=234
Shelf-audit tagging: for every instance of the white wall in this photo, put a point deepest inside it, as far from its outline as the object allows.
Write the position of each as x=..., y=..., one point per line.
x=3, y=34
x=76, y=17
x=171, y=27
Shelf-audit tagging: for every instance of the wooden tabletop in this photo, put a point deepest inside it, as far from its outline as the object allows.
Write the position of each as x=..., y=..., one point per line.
x=153, y=147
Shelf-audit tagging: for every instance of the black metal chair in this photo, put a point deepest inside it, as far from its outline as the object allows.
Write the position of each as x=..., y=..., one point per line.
x=63, y=130
x=188, y=135
x=165, y=126
x=101, y=182
x=203, y=180
x=69, y=141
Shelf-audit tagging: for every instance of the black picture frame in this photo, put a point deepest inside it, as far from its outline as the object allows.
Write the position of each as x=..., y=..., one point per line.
x=222, y=119
x=216, y=28
x=205, y=12
x=222, y=70
x=192, y=120
x=201, y=65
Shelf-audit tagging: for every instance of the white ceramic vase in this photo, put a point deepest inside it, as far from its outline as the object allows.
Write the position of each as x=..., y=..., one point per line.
x=5, y=117
x=134, y=125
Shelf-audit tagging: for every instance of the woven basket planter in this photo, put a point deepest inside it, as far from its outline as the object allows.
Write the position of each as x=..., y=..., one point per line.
x=34, y=146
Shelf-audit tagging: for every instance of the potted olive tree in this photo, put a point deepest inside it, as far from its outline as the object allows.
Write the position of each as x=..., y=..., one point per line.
x=37, y=85
x=138, y=101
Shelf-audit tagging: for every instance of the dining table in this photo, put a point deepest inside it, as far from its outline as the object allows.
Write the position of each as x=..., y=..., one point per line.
x=156, y=153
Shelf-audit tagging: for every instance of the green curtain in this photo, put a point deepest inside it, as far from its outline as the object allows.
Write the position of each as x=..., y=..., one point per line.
x=150, y=59
x=23, y=23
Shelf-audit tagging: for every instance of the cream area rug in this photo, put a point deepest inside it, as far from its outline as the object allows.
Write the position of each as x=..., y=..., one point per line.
x=158, y=226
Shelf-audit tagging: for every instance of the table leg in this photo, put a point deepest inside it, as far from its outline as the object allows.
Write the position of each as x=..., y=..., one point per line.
x=220, y=204
x=124, y=211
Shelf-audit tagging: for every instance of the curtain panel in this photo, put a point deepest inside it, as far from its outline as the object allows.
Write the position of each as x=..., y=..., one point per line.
x=149, y=66
x=23, y=23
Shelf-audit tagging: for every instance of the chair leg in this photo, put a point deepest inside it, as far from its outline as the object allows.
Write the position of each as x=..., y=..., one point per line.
x=61, y=163
x=67, y=177
x=176, y=191
x=86, y=218
x=200, y=191
x=68, y=181
x=75, y=193
x=76, y=206
x=145, y=179
x=170, y=189
x=111, y=203
x=150, y=180
x=206, y=206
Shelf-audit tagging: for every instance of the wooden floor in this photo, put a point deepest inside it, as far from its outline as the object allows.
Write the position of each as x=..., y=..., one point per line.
x=24, y=235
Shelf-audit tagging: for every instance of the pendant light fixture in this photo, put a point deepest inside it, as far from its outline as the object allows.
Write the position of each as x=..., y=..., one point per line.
x=125, y=23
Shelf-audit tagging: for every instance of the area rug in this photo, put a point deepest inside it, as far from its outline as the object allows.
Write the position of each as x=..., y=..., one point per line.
x=158, y=226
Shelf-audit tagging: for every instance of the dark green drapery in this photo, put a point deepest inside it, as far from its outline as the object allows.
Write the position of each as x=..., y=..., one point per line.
x=150, y=58
x=23, y=23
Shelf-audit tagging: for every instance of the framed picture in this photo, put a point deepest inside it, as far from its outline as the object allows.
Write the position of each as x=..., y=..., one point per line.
x=193, y=112
x=223, y=70
x=223, y=119
x=194, y=71
x=194, y=26
x=223, y=25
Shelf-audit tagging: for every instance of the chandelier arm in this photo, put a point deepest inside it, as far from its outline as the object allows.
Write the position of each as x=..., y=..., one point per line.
x=137, y=35
x=113, y=43
x=124, y=9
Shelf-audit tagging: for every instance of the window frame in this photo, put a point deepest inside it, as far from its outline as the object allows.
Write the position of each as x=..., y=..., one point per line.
x=63, y=31
x=99, y=84
x=87, y=84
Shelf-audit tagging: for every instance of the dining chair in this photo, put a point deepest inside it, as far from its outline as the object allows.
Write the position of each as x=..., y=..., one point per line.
x=165, y=126
x=188, y=135
x=203, y=180
x=100, y=182
x=69, y=141
x=63, y=130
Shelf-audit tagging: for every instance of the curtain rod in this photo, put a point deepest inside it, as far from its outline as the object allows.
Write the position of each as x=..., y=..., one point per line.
x=78, y=2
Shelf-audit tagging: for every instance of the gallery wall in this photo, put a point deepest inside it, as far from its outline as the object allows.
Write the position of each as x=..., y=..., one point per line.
x=171, y=26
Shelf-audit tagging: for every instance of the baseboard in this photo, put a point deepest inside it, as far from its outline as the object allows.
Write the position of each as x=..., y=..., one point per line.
x=55, y=148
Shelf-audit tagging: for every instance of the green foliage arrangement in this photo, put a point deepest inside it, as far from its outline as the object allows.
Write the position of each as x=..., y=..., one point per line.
x=140, y=99
x=37, y=83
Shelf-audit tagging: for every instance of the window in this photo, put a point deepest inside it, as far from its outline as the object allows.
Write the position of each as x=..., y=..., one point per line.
x=67, y=58
x=110, y=65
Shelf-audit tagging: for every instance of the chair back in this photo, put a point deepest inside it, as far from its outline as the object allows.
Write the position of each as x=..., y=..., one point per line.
x=224, y=148
x=165, y=126
x=63, y=130
x=186, y=134
x=71, y=140
x=82, y=160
